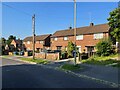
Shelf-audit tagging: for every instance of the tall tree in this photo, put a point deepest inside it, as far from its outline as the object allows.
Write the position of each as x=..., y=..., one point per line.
x=114, y=23
x=10, y=38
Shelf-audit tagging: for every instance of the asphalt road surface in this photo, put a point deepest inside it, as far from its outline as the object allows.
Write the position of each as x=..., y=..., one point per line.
x=16, y=74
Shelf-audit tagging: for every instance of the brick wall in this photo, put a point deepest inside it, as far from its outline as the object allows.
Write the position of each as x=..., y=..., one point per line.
x=87, y=40
x=49, y=56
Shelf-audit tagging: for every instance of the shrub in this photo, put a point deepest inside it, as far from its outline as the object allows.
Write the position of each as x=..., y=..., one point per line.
x=70, y=49
x=104, y=47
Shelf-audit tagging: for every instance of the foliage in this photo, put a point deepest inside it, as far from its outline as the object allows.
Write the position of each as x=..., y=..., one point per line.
x=114, y=23
x=104, y=47
x=70, y=48
x=103, y=60
x=70, y=67
x=10, y=38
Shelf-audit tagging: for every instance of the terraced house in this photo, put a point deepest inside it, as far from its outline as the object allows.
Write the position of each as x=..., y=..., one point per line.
x=41, y=42
x=86, y=37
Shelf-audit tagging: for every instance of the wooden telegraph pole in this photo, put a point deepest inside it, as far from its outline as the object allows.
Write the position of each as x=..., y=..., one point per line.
x=33, y=30
x=75, y=30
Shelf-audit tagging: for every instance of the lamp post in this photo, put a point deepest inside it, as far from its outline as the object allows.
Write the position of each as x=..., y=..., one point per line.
x=75, y=30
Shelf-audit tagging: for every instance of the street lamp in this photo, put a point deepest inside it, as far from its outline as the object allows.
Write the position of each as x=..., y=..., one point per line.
x=75, y=30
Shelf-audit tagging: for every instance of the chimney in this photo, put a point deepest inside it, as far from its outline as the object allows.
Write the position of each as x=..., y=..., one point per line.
x=70, y=27
x=91, y=24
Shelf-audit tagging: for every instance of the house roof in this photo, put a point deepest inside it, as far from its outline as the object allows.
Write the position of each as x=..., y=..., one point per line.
x=37, y=38
x=18, y=41
x=83, y=30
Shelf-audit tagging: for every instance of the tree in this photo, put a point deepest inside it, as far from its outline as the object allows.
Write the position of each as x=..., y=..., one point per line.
x=104, y=47
x=70, y=48
x=2, y=44
x=10, y=38
x=114, y=23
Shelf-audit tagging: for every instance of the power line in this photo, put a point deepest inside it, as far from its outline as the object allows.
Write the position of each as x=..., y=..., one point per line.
x=17, y=9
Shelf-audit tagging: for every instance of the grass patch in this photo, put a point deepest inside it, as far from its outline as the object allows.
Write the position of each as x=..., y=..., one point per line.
x=103, y=60
x=70, y=67
x=5, y=56
x=38, y=61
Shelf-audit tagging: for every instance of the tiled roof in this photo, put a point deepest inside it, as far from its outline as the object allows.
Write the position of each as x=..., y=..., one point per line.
x=37, y=38
x=83, y=30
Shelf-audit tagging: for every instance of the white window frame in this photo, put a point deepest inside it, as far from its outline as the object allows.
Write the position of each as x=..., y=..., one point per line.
x=55, y=38
x=28, y=42
x=98, y=35
x=79, y=37
x=41, y=42
x=65, y=38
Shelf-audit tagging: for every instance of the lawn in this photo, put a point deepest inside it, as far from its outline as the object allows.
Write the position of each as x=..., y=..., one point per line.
x=103, y=60
x=38, y=61
x=70, y=67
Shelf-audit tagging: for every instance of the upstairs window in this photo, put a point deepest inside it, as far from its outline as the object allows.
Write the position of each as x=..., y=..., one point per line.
x=28, y=42
x=79, y=37
x=55, y=38
x=65, y=38
x=41, y=42
x=98, y=35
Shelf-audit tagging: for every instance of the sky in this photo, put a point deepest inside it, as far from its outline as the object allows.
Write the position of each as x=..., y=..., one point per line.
x=51, y=16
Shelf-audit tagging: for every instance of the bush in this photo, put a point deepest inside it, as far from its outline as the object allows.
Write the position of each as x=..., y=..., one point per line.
x=104, y=47
x=70, y=49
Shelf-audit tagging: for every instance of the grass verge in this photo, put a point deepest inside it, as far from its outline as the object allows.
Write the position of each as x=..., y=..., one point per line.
x=6, y=56
x=103, y=60
x=38, y=61
x=70, y=67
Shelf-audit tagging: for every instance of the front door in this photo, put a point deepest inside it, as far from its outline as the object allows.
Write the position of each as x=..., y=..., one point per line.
x=90, y=50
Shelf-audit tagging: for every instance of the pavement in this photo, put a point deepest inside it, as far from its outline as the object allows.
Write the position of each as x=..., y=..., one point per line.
x=106, y=74
x=17, y=74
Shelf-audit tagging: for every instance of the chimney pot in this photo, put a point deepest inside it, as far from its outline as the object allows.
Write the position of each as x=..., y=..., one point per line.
x=91, y=24
x=70, y=27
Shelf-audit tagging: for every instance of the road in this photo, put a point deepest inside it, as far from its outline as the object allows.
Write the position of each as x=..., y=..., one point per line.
x=16, y=74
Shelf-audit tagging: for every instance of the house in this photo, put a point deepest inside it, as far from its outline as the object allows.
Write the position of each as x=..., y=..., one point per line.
x=41, y=42
x=86, y=37
x=16, y=45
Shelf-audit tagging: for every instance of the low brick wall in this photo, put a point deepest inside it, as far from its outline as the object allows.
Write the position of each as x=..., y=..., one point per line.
x=49, y=56
x=40, y=55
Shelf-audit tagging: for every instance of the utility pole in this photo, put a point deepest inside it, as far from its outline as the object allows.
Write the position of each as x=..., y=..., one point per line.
x=75, y=30
x=33, y=30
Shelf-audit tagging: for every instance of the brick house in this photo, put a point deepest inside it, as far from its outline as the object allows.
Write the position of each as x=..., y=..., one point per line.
x=16, y=45
x=41, y=42
x=86, y=37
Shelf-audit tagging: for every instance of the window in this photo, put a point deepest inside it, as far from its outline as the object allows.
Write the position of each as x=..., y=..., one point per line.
x=59, y=47
x=98, y=36
x=65, y=38
x=41, y=42
x=55, y=38
x=28, y=42
x=79, y=37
